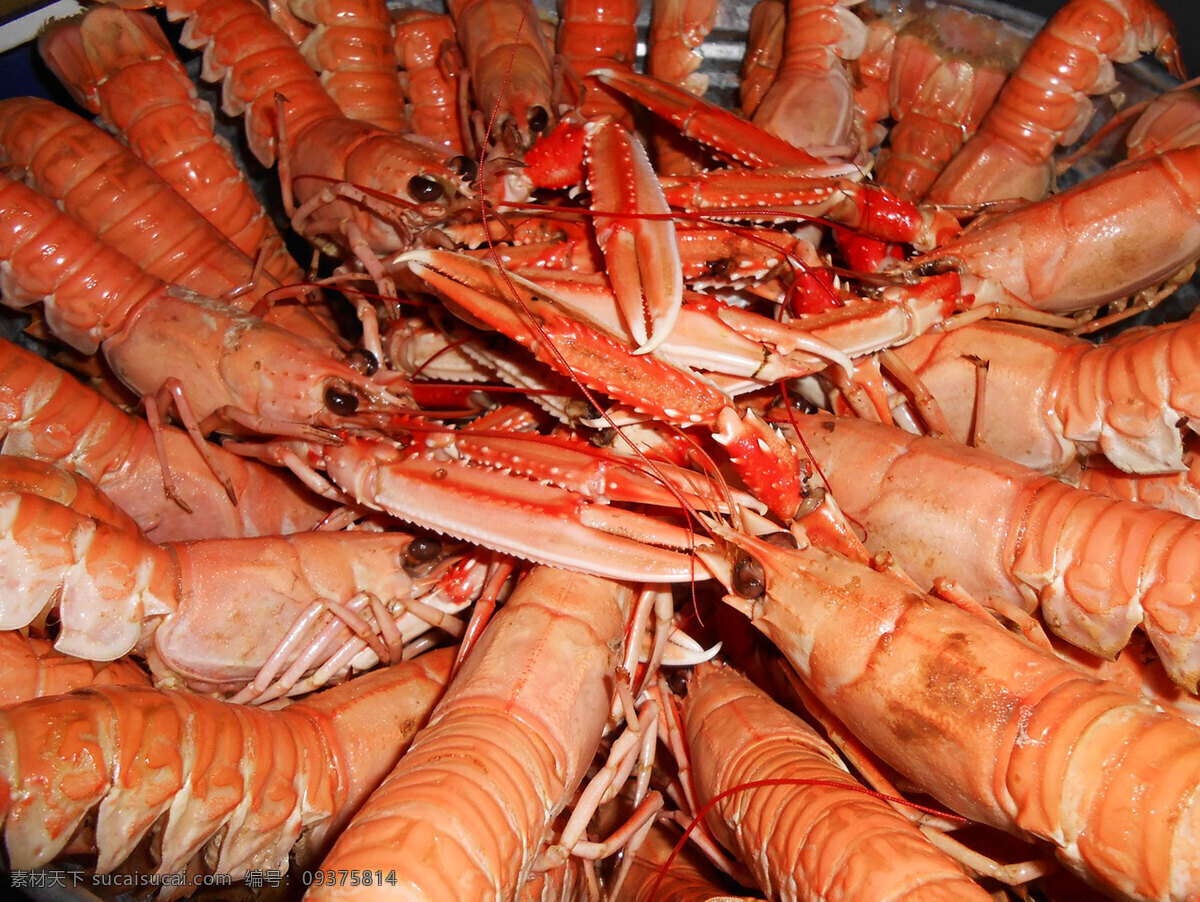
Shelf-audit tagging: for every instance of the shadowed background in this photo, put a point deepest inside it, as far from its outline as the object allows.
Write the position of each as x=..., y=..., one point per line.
x=21, y=72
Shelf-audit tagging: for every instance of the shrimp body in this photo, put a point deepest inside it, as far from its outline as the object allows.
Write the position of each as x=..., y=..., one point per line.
x=810, y=103
x=1045, y=102
x=352, y=48
x=239, y=784
x=265, y=78
x=47, y=414
x=426, y=49
x=803, y=842
x=989, y=725
x=1131, y=228
x=119, y=64
x=31, y=668
x=510, y=64
x=114, y=193
x=1051, y=400
x=231, y=364
x=211, y=612
x=469, y=805
x=1097, y=567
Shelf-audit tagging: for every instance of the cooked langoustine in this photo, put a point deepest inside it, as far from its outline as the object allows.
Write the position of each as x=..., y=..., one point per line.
x=804, y=838
x=213, y=613
x=103, y=185
x=592, y=36
x=1097, y=568
x=119, y=64
x=1045, y=102
x=990, y=726
x=947, y=67
x=336, y=165
x=426, y=49
x=30, y=476
x=764, y=51
x=1131, y=228
x=31, y=668
x=351, y=46
x=47, y=414
x=1051, y=400
x=210, y=359
x=512, y=75
x=654, y=876
x=376, y=456
x=810, y=102
x=677, y=30
x=240, y=784
x=511, y=741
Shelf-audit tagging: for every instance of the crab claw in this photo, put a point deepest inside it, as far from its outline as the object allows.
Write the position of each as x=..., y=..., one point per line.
x=767, y=463
x=638, y=239
x=595, y=473
x=568, y=342
x=544, y=523
x=712, y=125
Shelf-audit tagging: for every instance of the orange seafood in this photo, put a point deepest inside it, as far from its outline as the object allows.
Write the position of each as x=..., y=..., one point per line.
x=214, y=613
x=1045, y=102
x=1051, y=400
x=212, y=360
x=336, y=166
x=237, y=786
x=1134, y=227
x=688, y=878
x=947, y=67
x=1096, y=567
x=31, y=668
x=677, y=30
x=104, y=186
x=46, y=414
x=603, y=461
x=804, y=837
x=29, y=476
x=508, y=745
x=352, y=49
x=990, y=726
x=426, y=49
x=810, y=103
x=764, y=52
x=591, y=36
x=507, y=55
x=119, y=64
x=1171, y=120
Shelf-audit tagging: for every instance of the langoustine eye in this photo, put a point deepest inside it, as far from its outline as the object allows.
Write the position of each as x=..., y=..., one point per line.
x=424, y=189
x=465, y=167
x=421, y=550
x=539, y=120
x=363, y=361
x=341, y=399
x=749, y=580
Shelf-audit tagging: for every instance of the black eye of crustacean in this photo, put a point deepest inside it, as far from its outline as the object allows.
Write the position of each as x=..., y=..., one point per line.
x=748, y=577
x=422, y=550
x=424, y=188
x=340, y=399
x=464, y=166
x=362, y=361
x=539, y=120
x=781, y=539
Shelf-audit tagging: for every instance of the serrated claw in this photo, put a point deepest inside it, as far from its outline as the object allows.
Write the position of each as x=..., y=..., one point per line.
x=566, y=339
x=640, y=250
x=528, y=519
